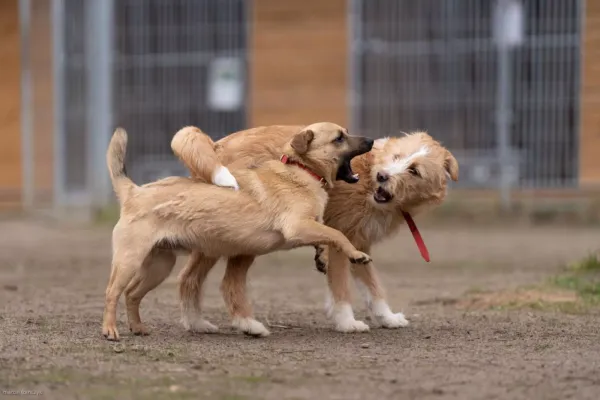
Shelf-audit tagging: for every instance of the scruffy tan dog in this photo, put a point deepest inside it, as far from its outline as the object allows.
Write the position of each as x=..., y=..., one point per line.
x=279, y=206
x=400, y=176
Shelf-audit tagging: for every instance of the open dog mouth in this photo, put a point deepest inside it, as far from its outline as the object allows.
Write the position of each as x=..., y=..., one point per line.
x=382, y=196
x=345, y=172
x=361, y=145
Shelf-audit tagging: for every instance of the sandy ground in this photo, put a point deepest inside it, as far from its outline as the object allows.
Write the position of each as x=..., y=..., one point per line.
x=52, y=286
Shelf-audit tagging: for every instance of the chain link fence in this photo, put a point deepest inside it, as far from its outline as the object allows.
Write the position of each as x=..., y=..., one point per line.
x=497, y=81
x=151, y=66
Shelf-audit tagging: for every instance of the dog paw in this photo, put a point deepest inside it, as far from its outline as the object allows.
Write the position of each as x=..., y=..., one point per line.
x=110, y=333
x=351, y=326
x=139, y=329
x=321, y=259
x=250, y=327
x=198, y=325
x=360, y=258
x=392, y=321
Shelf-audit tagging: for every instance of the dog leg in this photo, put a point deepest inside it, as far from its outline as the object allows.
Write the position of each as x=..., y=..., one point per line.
x=191, y=280
x=309, y=232
x=339, y=306
x=126, y=263
x=366, y=279
x=233, y=289
x=157, y=267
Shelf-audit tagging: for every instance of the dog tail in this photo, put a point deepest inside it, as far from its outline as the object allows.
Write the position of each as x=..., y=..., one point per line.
x=196, y=150
x=115, y=159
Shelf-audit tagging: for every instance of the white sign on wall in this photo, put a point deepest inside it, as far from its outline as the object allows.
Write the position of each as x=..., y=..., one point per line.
x=225, y=84
x=509, y=24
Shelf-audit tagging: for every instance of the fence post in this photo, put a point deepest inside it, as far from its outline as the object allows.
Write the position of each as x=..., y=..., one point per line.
x=508, y=33
x=58, y=103
x=99, y=115
x=354, y=35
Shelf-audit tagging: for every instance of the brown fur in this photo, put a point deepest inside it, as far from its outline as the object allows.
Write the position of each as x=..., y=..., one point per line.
x=352, y=209
x=278, y=207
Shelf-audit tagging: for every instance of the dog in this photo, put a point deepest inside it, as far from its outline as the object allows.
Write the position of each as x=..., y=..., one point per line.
x=279, y=206
x=400, y=177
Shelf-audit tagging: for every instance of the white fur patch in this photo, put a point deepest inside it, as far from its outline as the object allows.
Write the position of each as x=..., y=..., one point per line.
x=399, y=166
x=380, y=143
x=222, y=177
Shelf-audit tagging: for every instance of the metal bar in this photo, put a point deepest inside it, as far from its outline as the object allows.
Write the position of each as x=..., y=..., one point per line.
x=99, y=48
x=354, y=63
x=27, y=150
x=58, y=101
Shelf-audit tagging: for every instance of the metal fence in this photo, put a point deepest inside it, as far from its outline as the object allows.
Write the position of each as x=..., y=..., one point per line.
x=151, y=66
x=496, y=81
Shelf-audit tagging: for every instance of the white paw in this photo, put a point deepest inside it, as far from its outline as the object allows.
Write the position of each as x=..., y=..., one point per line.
x=351, y=326
x=392, y=321
x=344, y=319
x=199, y=325
x=250, y=326
x=222, y=177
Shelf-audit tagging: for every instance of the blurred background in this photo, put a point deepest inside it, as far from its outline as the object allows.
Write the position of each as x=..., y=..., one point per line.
x=512, y=87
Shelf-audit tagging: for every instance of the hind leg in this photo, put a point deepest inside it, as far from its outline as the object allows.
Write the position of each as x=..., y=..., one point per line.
x=233, y=289
x=127, y=261
x=156, y=268
x=191, y=280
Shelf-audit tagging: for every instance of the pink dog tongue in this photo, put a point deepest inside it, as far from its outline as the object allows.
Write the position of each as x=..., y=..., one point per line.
x=417, y=235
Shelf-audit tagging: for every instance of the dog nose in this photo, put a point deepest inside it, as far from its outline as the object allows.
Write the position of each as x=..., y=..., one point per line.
x=382, y=177
x=369, y=143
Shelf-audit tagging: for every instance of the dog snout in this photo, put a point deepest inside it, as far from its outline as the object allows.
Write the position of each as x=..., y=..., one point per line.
x=368, y=143
x=382, y=177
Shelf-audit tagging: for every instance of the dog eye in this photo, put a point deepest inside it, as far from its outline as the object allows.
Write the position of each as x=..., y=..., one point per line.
x=340, y=138
x=413, y=171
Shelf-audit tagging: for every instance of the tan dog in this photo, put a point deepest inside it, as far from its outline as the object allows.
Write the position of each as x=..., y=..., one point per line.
x=278, y=207
x=405, y=174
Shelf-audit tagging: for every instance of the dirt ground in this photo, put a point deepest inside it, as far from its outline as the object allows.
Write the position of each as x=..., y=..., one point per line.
x=52, y=286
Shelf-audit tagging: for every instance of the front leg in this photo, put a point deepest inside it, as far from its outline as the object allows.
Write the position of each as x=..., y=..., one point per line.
x=309, y=232
x=339, y=301
x=367, y=280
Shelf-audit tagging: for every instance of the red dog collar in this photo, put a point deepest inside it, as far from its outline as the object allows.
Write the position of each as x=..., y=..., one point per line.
x=286, y=160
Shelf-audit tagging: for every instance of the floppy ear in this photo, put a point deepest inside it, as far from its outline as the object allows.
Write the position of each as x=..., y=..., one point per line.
x=301, y=141
x=451, y=166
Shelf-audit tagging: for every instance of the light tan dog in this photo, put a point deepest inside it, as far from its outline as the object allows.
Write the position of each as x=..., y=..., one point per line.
x=400, y=175
x=279, y=206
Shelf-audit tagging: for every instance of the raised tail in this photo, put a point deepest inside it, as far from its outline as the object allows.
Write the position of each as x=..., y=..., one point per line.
x=115, y=159
x=196, y=150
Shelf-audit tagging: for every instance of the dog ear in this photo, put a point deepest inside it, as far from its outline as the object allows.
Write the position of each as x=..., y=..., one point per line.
x=451, y=166
x=301, y=141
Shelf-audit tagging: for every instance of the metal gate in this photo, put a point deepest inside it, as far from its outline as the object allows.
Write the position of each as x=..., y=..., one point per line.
x=151, y=66
x=438, y=65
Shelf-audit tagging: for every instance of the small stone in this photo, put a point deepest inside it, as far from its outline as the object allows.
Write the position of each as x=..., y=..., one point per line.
x=118, y=349
x=365, y=345
x=428, y=337
x=11, y=288
x=174, y=388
